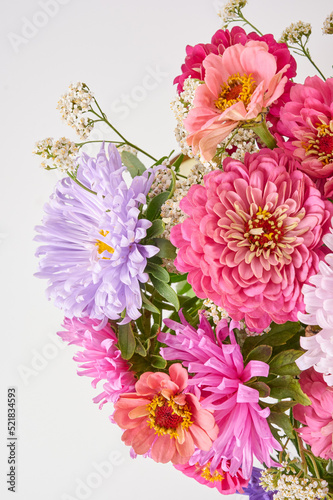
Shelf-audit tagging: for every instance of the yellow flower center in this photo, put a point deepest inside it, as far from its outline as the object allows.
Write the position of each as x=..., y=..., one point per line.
x=237, y=88
x=102, y=246
x=322, y=145
x=168, y=417
x=206, y=474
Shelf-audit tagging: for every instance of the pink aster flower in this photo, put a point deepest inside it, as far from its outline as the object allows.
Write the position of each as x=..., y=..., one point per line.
x=307, y=120
x=220, y=374
x=100, y=358
x=239, y=85
x=253, y=237
x=317, y=418
x=162, y=419
x=220, y=478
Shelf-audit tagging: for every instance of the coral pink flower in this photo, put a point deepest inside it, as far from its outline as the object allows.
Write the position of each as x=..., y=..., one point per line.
x=220, y=374
x=253, y=237
x=220, y=478
x=238, y=86
x=161, y=419
x=317, y=418
x=307, y=120
x=100, y=358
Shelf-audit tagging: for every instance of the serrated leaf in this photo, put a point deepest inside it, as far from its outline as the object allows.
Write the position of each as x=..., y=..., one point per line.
x=155, y=229
x=284, y=363
x=261, y=353
x=282, y=421
x=167, y=250
x=139, y=349
x=132, y=163
x=149, y=305
x=155, y=204
x=158, y=362
x=261, y=387
x=288, y=387
x=166, y=291
x=158, y=272
x=126, y=341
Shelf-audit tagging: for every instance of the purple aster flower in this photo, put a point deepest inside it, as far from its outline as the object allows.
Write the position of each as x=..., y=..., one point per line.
x=254, y=490
x=90, y=244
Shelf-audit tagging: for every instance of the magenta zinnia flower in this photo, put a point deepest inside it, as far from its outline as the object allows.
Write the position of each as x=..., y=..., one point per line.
x=307, y=120
x=91, y=250
x=252, y=237
x=239, y=85
x=162, y=419
x=220, y=374
x=317, y=418
x=99, y=358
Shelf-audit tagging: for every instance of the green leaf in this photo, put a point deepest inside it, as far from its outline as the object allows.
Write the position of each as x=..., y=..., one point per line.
x=166, y=291
x=261, y=353
x=167, y=250
x=133, y=164
x=282, y=406
x=158, y=272
x=176, y=278
x=284, y=363
x=261, y=387
x=173, y=183
x=158, y=362
x=126, y=341
x=288, y=387
x=139, y=349
x=178, y=162
x=277, y=336
x=155, y=229
x=282, y=421
x=149, y=305
x=155, y=204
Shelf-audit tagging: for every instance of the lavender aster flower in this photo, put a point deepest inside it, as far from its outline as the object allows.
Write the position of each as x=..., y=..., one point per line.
x=90, y=244
x=254, y=490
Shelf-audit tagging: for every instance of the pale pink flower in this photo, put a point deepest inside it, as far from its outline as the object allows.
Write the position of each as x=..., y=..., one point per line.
x=162, y=419
x=220, y=374
x=317, y=420
x=100, y=358
x=239, y=85
x=253, y=237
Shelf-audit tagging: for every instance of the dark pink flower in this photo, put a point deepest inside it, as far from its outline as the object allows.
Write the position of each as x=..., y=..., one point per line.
x=253, y=237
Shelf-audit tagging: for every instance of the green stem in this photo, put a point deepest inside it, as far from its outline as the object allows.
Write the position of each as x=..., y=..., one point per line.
x=250, y=24
x=301, y=452
x=306, y=53
x=262, y=131
x=309, y=454
x=80, y=144
x=80, y=183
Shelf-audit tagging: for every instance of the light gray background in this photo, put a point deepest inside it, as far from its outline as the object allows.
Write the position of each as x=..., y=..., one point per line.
x=112, y=46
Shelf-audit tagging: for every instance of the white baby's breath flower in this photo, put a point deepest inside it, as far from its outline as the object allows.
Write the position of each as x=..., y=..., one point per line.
x=231, y=11
x=294, y=33
x=73, y=104
x=60, y=154
x=328, y=25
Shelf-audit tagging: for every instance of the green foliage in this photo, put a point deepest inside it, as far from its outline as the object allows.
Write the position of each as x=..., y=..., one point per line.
x=261, y=353
x=284, y=363
x=126, y=341
x=166, y=291
x=133, y=164
x=282, y=421
x=167, y=250
x=288, y=387
x=155, y=229
x=155, y=204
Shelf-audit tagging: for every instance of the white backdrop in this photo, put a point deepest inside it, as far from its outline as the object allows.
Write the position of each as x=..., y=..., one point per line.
x=63, y=438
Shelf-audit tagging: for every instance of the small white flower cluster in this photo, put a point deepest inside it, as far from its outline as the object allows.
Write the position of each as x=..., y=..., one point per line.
x=328, y=25
x=230, y=10
x=60, y=154
x=288, y=485
x=214, y=311
x=245, y=142
x=161, y=182
x=181, y=106
x=129, y=149
x=73, y=104
x=294, y=32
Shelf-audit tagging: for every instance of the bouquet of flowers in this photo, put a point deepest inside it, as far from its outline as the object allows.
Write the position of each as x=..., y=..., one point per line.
x=199, y=285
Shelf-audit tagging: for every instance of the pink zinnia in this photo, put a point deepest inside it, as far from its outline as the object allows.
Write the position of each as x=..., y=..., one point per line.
x=160, y=418
x=220, y=478
x=239, y=85
x=317, y=418
x=307, y=120
x=100, y=357
x=252, y=237
x=220, y=374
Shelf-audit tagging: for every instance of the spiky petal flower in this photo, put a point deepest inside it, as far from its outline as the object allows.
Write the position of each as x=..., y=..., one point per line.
x=220, y=478
x=220, y=374
x=99, y=357
x=252, y=237
x=162, y=419
x=317, y=420
x=91, y=249
x=239, y=85
x=318, y=298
